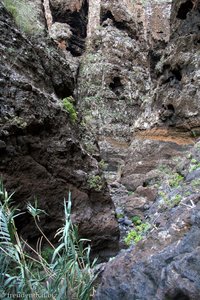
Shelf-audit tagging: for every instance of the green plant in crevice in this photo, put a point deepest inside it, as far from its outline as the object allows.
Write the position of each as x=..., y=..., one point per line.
x=175, y=179
x=164, y=169
x=136, y=220
x=95, y=182
x=67, y=274
x=24, y=14
x=120, y=215
x=130, y=193
x=194, y=165
x=134, y=236
x=69, y=107
x=103, y=165
x=195, y=182
x=170, y=202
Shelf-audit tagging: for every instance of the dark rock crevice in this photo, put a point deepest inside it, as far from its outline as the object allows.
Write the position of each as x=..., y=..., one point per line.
x=116, y=86
x=179, y=296
x=123, y=26
x=184, y=9
x=77, y=20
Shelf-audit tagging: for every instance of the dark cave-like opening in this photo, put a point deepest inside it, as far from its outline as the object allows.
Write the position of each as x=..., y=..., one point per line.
x=174, y=77
x=154, y=58
x=184, y=9
x=116, y=86
x=105, y=16
x=170, y=107
x=178, y=296
x=78, y=24
x=177, y=74
x=119, y=25
x=62, y=91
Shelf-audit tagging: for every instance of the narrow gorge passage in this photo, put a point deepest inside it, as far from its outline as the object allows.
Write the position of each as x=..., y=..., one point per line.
x=101, y=98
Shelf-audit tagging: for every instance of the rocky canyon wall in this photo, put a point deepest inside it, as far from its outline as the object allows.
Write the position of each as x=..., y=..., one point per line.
x=41, y=156
x=164, y=143
x=132, y=70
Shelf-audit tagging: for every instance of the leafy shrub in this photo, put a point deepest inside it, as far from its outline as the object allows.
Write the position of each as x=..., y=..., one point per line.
x=69, y=107
x=95, y=182
x=175, y=180
x=136, y=220
x=170, y=202
x=103, y=165
x=24, y=15
x=68, y=275
x=120, y=215
x=194, y=165
x=134, y=236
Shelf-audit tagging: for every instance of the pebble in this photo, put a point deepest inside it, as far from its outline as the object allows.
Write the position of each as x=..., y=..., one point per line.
x=127, y=222
x=121, y=220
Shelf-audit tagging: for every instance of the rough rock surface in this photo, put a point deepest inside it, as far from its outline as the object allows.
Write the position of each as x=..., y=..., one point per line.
x=171, y=273
x=169, y=123
x=113, y=81
x=178, y=71
x=75, y=15
x=137, y=93
x=161, y=156
x=165, y=264
x=39, y=148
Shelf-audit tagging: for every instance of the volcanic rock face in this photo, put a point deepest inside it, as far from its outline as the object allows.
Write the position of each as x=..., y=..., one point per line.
x=166, y=267
x=133, y=70
x=40, y=153
x=73, y=13
x=178, y=83
x=113, y=81
x=166, y=264
x=170, y=122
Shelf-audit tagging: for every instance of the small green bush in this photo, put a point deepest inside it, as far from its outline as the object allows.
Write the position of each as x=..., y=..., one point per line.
x=103, y=165
x=175, y=180
x=69, y=107
x=119, y=216
x=195, y=164
x=134, y=236
x=95, y=182
x=176, y=200
x=170, y=202
x=136, y=220
x=195, y=182
x=24, y=14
